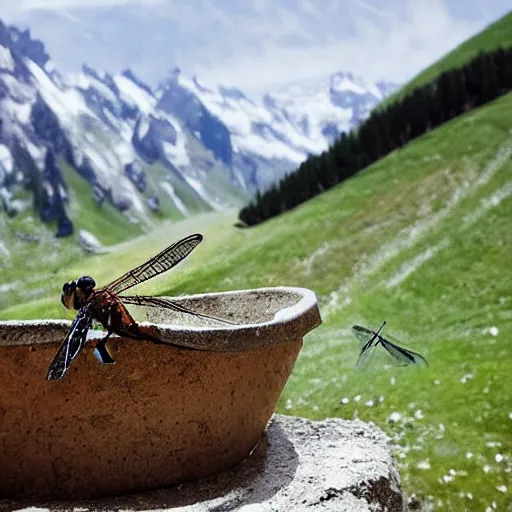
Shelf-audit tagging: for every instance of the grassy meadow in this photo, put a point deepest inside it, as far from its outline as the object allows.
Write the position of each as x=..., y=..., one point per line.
x=421, y=239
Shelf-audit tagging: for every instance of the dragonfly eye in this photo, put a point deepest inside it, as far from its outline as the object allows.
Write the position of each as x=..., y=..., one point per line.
x=69, y=287
x=86, y=282
x=68, y=294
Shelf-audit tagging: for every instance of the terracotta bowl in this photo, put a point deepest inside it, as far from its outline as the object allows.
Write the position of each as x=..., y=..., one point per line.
x=163, y=414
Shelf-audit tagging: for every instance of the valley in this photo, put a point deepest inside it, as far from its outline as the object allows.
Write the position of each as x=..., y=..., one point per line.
x=420, y=239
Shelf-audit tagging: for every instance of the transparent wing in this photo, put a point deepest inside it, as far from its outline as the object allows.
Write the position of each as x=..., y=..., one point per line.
x=369, y=340
x=160, y=263
x=362, y=334
x=402, y=356
x=157, y=302
x=72, y=345
x=366, y=354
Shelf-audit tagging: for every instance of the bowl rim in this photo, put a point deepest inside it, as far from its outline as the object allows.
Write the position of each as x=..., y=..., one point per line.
x=288, y=323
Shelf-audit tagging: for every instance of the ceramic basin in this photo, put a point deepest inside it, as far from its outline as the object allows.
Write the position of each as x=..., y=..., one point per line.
x=164, y=413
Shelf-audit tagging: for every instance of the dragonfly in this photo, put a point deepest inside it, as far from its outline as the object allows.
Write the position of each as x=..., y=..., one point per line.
x=106, y=306
x=370, y=339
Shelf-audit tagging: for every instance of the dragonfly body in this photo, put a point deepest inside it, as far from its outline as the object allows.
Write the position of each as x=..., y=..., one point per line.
x=108, y=307
x=370, y=340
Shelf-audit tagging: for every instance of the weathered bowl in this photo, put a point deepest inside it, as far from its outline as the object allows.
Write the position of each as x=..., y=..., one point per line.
x=163, y=414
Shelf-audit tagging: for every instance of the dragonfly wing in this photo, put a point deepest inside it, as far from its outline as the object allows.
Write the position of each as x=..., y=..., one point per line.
x=402, y=356
x=366, y=355
x=160, y=263
x=157, y=302
x=362, y=334
x=369, y=340
x=72, y=345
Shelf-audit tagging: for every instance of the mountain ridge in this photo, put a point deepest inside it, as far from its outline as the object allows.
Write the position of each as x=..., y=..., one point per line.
x=213, y=146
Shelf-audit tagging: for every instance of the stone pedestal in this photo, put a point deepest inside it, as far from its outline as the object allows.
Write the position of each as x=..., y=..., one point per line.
x=299, y=465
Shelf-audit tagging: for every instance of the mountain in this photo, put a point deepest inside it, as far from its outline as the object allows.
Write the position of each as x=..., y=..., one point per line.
x=142, y=154
x=108, y=129
x=278, y=131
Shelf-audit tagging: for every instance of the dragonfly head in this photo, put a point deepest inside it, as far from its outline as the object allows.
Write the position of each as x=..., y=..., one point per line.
x=75, y=293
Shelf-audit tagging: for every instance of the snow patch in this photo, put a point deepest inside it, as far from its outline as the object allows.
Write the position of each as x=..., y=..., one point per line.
x=68, y=104
x=143, y=127
x=125, y=152
x=267, y=149
x=169, y=189
x=6, y=160
x=253, y=127
x=199, y=188
x=89, y=242
x=343, y=83
x=111, y=118
x=6, y=60
x=18, y=112
x=135, y=95
x=38, y=154
x=85, y=81
x=176, y=154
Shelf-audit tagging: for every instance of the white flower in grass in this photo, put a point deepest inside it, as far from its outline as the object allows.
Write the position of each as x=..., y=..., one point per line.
x=394, y=417
x=418, y=414
x=424, y=464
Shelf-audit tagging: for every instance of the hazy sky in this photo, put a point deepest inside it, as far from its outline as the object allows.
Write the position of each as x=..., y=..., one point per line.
x=254, y=44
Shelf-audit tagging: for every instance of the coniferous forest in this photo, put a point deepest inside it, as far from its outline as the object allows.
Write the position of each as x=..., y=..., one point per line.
x=454, y=92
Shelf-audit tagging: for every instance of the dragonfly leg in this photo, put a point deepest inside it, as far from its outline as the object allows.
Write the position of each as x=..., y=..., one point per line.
x=141, y=332
x=102, y=349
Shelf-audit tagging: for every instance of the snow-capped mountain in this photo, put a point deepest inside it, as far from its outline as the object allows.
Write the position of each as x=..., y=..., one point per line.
x=181, y=148
x=106, y=128
x=275, y=133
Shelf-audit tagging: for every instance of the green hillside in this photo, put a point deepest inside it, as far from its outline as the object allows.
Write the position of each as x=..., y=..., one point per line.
x=495, y=35
x=423, y=240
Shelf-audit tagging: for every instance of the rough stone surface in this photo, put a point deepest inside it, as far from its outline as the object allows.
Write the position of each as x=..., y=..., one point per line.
x=331, y=465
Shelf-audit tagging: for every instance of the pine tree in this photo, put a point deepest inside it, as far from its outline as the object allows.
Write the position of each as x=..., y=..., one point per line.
x=453, y=92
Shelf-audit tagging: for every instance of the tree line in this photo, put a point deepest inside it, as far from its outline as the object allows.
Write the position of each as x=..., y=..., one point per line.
x=454, y=92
